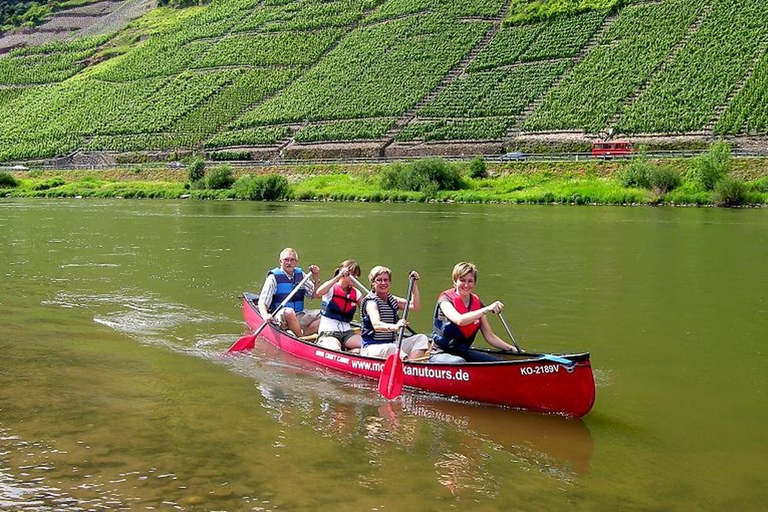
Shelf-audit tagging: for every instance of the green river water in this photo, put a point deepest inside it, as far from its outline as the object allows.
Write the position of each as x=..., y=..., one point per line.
x=115, y=394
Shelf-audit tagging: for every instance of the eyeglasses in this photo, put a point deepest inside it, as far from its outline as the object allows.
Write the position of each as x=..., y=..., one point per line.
x=381, y=280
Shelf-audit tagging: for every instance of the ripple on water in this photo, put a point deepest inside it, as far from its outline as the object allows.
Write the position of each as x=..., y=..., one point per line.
x=146, y=318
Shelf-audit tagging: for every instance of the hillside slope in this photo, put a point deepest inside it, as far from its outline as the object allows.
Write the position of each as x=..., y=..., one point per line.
x=390, y=77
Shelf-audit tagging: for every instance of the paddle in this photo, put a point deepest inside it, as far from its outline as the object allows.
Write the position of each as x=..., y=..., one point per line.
x=549, y=357
x=248, y=342
x=504, y=323
x=391, y=381
x=360, y=285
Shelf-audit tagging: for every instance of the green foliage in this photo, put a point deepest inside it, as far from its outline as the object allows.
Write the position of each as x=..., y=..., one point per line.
x=686, y=94
x=637, y=173
x=241, y=72
x=375, y=71
x=730, y=192
x=271, y=187
x=352, y=129
x=7, y=180
x=467, y=129
x=759, y=185
x=196, y=170
x=248, y=136
x=708, y=169
x=504, y=92
x=219, y=178
x=428, y=175
x=477, y=168
x=640, y=172
x=177, y=4
x=54, y=182
x=231, y=155
x=630, y=51
x=748, y=112
x=23, y=13
x=664, y=179
x=526, y=11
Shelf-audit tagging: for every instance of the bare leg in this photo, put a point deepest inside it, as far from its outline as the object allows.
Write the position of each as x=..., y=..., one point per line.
x=355, y=341
x=312, y=328
x=416, y=354
x=291, y=321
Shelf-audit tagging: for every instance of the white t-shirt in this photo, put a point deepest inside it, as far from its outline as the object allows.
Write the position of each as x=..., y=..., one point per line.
x=331, y=324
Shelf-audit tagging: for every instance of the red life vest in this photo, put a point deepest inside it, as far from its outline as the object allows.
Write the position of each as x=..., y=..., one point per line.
x=342, y=305
x=448, y=335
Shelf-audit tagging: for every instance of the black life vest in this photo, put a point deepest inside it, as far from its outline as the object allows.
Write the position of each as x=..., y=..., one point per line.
x=387, y=313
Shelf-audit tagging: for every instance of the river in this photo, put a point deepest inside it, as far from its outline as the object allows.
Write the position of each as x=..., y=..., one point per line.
x=115, y=393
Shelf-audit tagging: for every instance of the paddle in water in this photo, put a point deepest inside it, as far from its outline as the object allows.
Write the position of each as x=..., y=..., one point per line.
x=391, y=381
x=549, y=357
x=248, y=342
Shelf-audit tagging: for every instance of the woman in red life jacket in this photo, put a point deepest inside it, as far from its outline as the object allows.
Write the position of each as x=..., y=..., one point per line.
x=340, y=301
x=459, y=316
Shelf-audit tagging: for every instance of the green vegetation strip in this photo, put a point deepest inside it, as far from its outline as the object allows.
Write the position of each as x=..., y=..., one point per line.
x=711, y=179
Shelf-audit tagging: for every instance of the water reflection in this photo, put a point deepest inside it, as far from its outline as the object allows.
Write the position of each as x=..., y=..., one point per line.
x=463, y=438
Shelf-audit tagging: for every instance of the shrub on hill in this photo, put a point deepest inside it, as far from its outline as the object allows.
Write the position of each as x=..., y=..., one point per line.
x=272, y=187
x=196, y=171
x=428, y=176
x=477, y=168
x=219, y=178
x=708, y=169
x=730, y=191
x=640, y=172
x=7, y=181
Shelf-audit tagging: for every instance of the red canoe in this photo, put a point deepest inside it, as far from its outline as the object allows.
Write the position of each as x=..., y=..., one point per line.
x=559, y=384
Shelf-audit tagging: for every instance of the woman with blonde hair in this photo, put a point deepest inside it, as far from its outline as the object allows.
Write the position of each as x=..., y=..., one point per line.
x=459, y=316
x=381, y=322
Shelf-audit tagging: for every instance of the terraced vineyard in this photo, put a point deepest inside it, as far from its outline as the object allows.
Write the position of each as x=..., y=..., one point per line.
x=402, y=76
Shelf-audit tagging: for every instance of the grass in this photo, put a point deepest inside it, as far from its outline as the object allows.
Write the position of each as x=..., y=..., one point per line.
x=569, y=183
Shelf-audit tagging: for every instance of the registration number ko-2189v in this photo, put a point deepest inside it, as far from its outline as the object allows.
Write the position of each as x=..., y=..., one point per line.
x=540, y=369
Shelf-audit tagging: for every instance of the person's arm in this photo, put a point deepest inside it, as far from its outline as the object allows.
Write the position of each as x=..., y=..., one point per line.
x=378, y=325
x=492, y=338
x=323, y=288
x=265, y=297
x=470, y=316
x=416, y=298
x=311, y=285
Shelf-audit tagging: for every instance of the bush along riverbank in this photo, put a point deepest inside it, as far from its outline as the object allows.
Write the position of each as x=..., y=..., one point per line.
x=714, y=178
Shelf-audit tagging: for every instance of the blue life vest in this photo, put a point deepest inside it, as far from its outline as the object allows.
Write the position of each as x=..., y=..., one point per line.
x=342, y=305
x=387, y=313
x=285, y=286
x=449, y=336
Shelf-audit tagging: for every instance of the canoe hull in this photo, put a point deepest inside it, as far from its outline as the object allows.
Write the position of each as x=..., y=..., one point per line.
x=523, y=382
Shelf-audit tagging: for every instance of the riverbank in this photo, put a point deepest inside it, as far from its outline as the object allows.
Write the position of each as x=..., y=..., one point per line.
x=640, y=181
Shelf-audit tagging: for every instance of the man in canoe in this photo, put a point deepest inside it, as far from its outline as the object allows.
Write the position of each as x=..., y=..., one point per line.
x=459, y=315
x=379, y=315
x=279, y=284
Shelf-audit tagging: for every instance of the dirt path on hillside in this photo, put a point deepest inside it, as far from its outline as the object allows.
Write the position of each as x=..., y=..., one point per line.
x=89, y=20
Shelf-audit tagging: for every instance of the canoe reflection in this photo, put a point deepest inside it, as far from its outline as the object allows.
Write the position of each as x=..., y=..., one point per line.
x=554, y=443
x=349, y=409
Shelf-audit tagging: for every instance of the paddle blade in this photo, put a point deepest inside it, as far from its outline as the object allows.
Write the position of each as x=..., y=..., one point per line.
x=391, y=381
x=244, y=343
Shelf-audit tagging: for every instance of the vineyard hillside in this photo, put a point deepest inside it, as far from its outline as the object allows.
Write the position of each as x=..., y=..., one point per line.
x=272, y=79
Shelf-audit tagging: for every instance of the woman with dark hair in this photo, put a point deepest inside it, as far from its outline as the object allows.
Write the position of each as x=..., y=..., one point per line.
x=340, y=300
